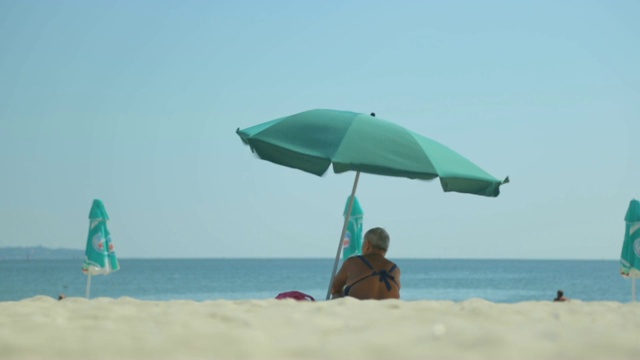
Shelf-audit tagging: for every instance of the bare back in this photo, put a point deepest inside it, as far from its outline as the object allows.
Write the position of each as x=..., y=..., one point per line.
x=375, y=277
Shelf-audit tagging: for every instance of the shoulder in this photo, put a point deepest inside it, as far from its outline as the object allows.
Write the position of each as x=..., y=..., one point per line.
x=397, y=268
x=393, y=266
x=360, y=259
x=350, y=262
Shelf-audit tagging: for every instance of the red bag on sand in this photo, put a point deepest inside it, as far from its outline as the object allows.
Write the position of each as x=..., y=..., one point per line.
x=296, y=295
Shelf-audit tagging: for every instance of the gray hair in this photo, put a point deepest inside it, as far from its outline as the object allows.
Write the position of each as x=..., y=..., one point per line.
x=378, y=238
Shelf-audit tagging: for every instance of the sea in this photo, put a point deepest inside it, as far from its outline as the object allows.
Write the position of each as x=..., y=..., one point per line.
x=500, y=281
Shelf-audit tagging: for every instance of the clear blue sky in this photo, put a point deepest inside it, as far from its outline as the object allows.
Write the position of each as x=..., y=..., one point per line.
x=137, y=102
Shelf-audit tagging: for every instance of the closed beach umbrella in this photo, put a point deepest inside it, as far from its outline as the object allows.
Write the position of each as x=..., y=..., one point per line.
x=100, y=257
x=630, y=256
x=313, y=140
x=352, y=241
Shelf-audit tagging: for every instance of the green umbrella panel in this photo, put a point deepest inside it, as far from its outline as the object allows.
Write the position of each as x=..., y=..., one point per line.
x=100, y=257
x=352, y=240
x=630, y=256
x=313, y=140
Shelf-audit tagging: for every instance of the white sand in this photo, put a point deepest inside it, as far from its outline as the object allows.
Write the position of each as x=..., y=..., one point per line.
x=125, y=328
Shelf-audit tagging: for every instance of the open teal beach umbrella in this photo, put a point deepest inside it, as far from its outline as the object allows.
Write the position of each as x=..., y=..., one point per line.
x=352, y=241
x=314, y=140
x=100, y=257
x=630, y=256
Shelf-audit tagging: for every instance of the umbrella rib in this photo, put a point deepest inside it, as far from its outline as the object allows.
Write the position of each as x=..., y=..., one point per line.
x=344, y=134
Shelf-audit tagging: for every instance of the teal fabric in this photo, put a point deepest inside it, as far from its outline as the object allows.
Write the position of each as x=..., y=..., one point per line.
x=630, y=257
x=352, y=242
x=100, y=257
x=313, y=140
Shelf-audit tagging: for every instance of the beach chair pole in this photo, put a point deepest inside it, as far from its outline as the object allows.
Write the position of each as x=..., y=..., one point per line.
x=88, y=284
x=344, y=230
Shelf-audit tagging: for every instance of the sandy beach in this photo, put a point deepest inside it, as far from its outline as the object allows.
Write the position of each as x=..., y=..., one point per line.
x=103, y=328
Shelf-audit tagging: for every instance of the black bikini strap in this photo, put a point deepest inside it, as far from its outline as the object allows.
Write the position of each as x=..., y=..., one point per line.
x=364, y=260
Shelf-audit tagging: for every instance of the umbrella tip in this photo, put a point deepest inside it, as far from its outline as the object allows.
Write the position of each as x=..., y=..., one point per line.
x=373, y=114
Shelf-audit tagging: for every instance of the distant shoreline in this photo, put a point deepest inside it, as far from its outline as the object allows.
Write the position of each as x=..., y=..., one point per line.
x=29, y=253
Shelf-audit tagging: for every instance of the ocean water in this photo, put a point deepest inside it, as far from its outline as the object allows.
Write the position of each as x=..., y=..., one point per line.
x=503, y=281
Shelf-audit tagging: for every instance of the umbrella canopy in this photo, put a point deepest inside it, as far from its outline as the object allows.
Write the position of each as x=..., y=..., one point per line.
x=100, y=257
x=352, y=241
x=630, y=257
x=313, y=140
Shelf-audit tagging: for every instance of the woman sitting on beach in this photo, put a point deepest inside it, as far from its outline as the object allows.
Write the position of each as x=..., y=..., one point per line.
x=371, y=275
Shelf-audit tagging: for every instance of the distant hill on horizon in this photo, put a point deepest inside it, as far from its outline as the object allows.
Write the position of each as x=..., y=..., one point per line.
x=39, y=253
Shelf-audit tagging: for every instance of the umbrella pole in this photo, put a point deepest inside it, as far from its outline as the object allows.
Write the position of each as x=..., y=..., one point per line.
x=633, y=288
x=344, y=230
x=88, y=284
